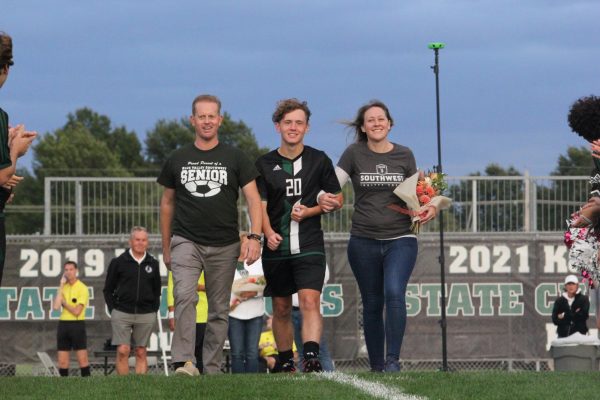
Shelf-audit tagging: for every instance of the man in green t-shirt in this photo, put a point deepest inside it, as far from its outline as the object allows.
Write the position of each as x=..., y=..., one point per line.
x=199, y=227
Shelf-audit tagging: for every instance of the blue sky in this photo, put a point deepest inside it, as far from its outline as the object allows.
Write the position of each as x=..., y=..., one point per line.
x=508, y=73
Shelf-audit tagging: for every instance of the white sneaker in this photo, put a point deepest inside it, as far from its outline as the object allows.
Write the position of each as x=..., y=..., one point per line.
x=188, y=369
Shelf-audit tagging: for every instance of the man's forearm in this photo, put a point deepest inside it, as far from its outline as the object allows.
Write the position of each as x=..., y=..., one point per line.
x=166, y=218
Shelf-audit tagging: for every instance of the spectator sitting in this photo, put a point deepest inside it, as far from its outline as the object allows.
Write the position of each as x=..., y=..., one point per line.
x=571, y=309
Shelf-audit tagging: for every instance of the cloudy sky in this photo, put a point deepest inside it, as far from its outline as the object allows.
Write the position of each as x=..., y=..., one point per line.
x=508, y=74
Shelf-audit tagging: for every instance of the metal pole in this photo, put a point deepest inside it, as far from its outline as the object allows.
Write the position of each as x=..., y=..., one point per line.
x=161, y=343
x=436, y=70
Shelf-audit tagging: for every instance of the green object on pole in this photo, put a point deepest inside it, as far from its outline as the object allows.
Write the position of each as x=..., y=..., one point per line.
x=436, y=45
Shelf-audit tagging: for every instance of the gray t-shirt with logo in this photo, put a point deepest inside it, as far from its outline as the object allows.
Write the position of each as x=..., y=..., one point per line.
x=374, y=177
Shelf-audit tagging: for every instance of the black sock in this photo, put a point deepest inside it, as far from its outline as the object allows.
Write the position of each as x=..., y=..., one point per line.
x=63, y=371
x=311, y=350
x=85, y=371
x=285, y=356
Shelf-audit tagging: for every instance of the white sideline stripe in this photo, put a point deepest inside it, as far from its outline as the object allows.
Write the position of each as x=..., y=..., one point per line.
x=375, y=389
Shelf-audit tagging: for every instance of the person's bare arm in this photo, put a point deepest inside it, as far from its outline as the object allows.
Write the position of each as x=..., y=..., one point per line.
x=250, y=192
x=272, y=238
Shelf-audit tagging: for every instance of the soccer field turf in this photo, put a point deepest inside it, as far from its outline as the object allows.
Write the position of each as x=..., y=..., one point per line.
x=403, y=386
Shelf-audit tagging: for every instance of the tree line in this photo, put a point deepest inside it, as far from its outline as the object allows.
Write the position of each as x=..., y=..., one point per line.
x=90, y=145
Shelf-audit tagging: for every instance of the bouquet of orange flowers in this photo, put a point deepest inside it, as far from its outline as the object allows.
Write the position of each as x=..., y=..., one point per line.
x=430, y=186
x=418, y=191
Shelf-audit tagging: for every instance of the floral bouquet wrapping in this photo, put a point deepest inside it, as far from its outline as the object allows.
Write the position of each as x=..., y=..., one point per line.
x=582, y=243
x=252, y=283
x=417, y=193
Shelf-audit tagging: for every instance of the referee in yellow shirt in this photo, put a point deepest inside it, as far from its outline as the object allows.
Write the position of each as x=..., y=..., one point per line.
x=73, y=298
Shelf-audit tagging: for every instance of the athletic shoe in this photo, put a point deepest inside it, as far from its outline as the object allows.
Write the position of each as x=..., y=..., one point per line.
x=312, y=365
x=392, y=366
x=288, y=367
x=188, y=369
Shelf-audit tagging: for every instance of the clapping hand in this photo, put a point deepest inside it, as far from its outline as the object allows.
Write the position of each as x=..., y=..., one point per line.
x=19, y=139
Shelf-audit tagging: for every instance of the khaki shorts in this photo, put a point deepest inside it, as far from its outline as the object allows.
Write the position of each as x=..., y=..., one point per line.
x=132, y=329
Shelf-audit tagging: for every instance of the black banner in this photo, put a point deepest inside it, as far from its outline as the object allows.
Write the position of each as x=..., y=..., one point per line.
x=500, y=291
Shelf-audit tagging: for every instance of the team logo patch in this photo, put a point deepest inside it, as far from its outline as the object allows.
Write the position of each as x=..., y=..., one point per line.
x=381, y=169
x=148, y=269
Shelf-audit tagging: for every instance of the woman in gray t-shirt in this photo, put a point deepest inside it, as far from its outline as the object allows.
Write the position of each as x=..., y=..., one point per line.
x=382, y=249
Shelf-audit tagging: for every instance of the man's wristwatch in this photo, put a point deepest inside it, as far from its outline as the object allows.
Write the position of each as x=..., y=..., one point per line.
x=254, y=236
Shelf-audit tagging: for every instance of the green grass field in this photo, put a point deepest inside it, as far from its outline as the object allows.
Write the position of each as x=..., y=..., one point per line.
x=425, y=385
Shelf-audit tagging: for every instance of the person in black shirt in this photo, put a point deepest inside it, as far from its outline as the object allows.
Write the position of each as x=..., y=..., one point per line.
x=571, y=309
x=200, y=232
x=132, y=294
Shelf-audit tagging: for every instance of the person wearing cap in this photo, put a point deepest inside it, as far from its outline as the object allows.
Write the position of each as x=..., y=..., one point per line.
x=571, y=309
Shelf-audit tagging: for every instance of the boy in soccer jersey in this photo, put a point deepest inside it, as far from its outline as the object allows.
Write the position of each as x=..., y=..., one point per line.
x=294, y=250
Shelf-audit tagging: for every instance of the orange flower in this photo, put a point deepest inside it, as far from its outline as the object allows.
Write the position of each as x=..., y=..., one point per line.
x=429, y=191
x=424, y=199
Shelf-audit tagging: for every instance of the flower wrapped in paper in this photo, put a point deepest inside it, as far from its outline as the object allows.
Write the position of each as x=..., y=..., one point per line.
x=417, y=193
x=252, y=283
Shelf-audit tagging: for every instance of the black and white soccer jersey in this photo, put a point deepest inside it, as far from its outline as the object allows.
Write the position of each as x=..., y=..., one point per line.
x=285, y=183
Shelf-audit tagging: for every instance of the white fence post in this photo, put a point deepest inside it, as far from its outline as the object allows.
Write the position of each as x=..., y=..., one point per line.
x=474, y=212
x=78, y=208
x=526, y=203
x=47, y=208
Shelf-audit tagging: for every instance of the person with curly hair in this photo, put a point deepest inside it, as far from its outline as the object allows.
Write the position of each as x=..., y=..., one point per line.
x=584, y=120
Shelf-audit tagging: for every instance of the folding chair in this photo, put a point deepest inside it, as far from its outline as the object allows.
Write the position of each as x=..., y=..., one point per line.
x=51, y=369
